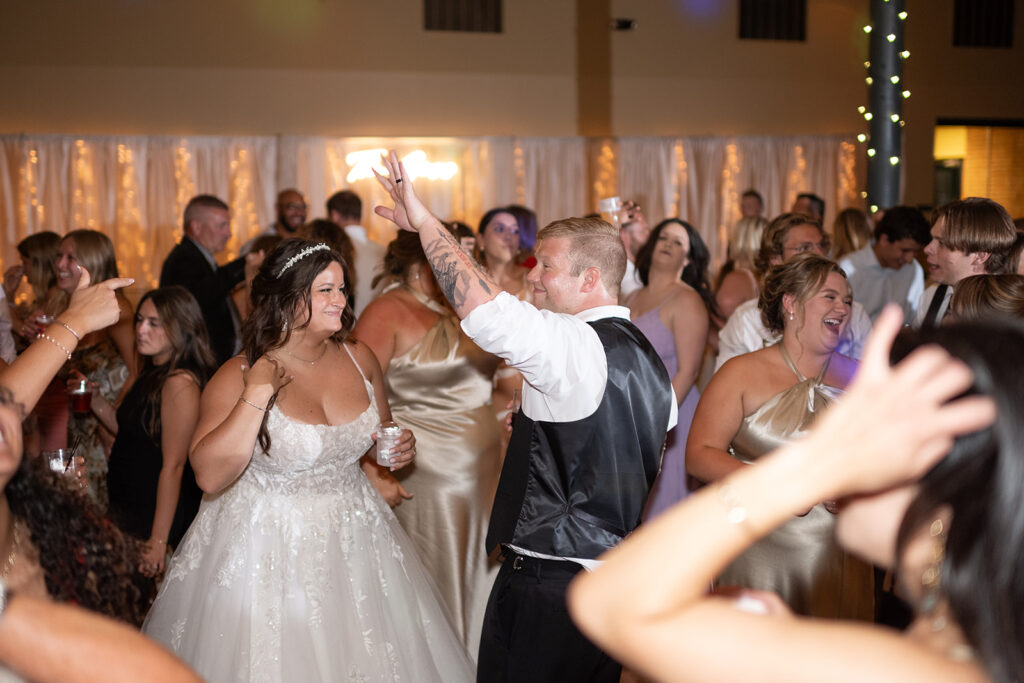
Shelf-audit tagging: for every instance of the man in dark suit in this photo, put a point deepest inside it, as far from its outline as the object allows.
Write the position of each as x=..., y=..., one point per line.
x=191, y=264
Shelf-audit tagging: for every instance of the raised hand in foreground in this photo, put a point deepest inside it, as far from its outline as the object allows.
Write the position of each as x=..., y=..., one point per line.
x=891, y=427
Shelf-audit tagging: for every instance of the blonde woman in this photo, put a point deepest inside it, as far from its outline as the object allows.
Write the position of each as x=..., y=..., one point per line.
x=851, y=232
x=737, y=280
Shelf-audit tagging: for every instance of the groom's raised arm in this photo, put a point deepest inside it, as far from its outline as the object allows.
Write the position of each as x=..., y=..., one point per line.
x=463, y=281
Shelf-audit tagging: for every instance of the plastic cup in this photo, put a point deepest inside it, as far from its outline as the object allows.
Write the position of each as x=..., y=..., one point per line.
x=60, y=460
x=42, y=322
x=611, y=210
x=81, y=398
x=388, y=434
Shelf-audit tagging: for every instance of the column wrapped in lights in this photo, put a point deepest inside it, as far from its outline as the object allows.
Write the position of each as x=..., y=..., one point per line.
x=885, y=111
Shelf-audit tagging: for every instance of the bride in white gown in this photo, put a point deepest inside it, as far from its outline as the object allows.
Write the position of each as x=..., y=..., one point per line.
x=295, y=568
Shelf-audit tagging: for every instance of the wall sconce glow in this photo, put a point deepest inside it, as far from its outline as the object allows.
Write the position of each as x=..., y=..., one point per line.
x=903, y=15
x=891, y=37
x=867, y=29
x=862, y=137
x=868, y=116
x=906, y=94
x=361, y=165
x=871, y=152
x=894, y=160
x=894, y=117
x=895, y=79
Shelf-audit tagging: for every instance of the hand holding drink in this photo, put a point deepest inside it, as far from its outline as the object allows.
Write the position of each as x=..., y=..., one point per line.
x=388, y=434
x=396, y=445
x=81, y=397
x=80, y=390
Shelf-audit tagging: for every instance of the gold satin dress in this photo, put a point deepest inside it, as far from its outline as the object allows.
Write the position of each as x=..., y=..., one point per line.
x=801, y=560
x=441, y=390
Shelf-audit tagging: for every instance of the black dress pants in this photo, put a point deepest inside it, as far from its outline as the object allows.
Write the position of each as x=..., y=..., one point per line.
x=528, y=636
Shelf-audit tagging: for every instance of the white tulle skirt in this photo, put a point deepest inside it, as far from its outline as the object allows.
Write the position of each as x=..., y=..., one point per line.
x=285, y=582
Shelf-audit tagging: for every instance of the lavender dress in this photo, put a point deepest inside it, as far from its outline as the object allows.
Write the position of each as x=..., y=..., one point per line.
x=670, y=486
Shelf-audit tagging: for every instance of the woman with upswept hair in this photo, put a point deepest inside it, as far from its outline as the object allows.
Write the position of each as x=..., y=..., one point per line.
x=295, y=568
x=439, y=384
x=760, y=400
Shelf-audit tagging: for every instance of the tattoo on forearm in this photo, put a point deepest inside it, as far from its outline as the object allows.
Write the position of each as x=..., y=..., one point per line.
x=454, y=269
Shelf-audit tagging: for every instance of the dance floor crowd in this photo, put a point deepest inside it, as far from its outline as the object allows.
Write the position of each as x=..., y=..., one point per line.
x=505, y=453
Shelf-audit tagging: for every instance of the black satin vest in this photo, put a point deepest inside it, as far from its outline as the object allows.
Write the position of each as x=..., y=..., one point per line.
x=575, y=489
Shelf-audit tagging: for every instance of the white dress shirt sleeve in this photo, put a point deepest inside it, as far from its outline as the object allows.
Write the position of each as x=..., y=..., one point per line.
x=741, y=334
x=561, y=357
x=914, y=294
x=856, y=333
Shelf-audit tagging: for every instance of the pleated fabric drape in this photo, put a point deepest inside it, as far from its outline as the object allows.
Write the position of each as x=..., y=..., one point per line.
x=134, y=188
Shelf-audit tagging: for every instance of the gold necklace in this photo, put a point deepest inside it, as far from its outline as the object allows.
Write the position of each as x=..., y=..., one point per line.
x=311, y=362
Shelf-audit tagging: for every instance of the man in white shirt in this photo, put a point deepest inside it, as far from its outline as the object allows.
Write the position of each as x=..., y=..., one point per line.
x=785, y=237
x=634, y=233
x=887, y=270
x=586, y=443
x=346, y=209
x=969, y=237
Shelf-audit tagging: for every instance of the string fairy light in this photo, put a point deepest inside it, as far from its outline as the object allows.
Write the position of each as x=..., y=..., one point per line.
x=884, y=79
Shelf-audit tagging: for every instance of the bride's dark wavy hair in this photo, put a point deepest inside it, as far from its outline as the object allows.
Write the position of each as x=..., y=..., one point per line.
x=277, y=294
x=981, y=480
x=85, y=559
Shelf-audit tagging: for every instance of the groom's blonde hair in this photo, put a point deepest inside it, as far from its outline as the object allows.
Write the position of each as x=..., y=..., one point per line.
x=593, y=243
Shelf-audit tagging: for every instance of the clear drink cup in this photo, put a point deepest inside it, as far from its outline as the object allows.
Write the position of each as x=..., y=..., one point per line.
x=611, y=210
x=388, y=434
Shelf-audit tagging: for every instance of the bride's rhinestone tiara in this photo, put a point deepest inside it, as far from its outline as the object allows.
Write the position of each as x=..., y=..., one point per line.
x=301, y=255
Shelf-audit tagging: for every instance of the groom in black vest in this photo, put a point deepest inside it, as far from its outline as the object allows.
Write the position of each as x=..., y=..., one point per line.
x=587, y=441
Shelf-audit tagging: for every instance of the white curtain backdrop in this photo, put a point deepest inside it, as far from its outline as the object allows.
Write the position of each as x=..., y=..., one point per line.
x=701, y=179
x=134, y=188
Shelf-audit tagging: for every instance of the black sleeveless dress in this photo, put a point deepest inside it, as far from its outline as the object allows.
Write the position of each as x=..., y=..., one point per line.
x=134, y=471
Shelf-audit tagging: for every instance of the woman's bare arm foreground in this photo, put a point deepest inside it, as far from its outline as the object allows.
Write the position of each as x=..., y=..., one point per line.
x=45, y=641
x=647, y=605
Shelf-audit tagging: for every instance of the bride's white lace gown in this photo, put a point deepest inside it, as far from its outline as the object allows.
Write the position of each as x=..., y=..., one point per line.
x=299, y=571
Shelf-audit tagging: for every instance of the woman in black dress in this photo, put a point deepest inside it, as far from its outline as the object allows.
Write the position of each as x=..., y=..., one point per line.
x=153, y=493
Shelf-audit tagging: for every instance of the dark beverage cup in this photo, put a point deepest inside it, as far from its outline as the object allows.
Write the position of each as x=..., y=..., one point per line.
x=81, y=402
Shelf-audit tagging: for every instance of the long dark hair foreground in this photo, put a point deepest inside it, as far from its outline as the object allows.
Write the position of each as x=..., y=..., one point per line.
x=981, y=480
x=695, y=273
x=85, y=559
x=182, y=321
x=277, y=293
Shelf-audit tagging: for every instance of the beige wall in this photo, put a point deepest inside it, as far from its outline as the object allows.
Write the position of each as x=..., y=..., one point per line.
x=358, y=67
x=684, y=71
x=322, y=67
